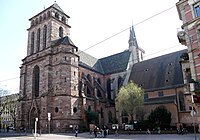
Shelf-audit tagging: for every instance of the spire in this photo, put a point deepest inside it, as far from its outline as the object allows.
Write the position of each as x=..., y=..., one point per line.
x=132, y=39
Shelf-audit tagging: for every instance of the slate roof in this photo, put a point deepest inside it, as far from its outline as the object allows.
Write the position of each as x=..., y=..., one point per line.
x=108, y=65
x=158, y=73
x=115, y=63
x=64, y=41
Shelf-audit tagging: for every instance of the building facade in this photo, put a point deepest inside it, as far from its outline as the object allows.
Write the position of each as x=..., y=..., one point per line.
x=189, y=14
x=77, y=89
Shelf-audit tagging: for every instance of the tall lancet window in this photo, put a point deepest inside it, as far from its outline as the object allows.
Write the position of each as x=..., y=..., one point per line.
x=32, y=42
x=36, y=81
x=44, y=36
x=38, y=40
x=60, y=32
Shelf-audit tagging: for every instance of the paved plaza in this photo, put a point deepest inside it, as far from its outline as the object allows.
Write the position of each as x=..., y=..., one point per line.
x=69, y=136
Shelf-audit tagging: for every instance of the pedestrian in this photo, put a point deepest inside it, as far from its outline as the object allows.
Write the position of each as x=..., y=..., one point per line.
x=148, y=131
x=76, y=131
x=95, y=132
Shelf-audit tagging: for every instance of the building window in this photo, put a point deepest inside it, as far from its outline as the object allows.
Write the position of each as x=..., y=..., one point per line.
x=38, y=40
x=146, y=95
x=110, y=117
x=75, y=109
x=197, y=10
x=181, y=101
x=32, y=42
x=98, y=90
x=57, y=15
x=63, y=19
x=60, y=32
x=160, y=93
x=109, y=89
x=44, y=36
x=56, y=109
x=36, y=81
x=101, y=112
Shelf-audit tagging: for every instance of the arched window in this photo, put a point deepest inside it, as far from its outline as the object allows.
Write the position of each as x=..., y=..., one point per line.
x=32, y=42
x=36, y=81
x=38, y=40
x=181, y=101
x=44, y=16
x=124, y=115
x=32, y=23
x=36, y=21
x=63, y=19
x=98, y=91
x=101, y=113
x=89, y=83
x=110, y=117
x=57, y=15
x=44, y=36
x=60, y=32
x=48, y=14
x=40, y=19
x=120, y=82
x=109, y=89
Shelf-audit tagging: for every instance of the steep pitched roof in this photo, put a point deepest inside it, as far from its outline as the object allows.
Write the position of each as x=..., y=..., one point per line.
x=160, y=72
x=115, y=63
x=89, y=62
x=65, y=41
x=108, y=65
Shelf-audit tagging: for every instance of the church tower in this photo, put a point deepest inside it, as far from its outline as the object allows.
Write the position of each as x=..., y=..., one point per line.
x=137, y=52
x=49, y=74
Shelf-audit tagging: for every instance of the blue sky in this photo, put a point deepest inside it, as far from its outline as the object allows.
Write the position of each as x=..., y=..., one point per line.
x=92, y=21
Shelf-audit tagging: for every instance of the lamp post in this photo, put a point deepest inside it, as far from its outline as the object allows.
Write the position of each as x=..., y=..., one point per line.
x=36, y=120
x=193, y=113
x=49, y=118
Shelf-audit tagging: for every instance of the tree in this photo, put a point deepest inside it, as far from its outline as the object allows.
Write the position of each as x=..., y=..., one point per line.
x=160, y=116
x=129, y=99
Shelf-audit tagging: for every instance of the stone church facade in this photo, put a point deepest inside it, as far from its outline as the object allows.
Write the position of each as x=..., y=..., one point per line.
x=78, y=89
x=57, y=78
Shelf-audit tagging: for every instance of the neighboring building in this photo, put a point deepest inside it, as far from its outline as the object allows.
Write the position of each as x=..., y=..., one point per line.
x=8, y=110
x=79, y=89
x=189, y=13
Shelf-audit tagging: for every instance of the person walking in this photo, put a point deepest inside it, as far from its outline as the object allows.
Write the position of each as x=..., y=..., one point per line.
x=76, y=131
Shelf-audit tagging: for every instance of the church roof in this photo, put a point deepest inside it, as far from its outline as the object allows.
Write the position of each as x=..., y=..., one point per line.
x=158, y=73
x=64, y=41
x=115, y=63
x=108, y=65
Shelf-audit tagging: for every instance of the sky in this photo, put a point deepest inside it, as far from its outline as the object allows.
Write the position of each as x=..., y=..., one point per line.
x=99, y=27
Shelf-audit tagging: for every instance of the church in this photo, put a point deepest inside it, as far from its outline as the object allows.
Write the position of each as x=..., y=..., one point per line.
x=64, y=87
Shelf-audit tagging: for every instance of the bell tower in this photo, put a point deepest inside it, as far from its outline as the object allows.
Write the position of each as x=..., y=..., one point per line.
x=47, y=26
x=49, y=74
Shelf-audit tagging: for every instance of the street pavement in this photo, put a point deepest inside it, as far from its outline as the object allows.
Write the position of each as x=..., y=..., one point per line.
x=70, y=136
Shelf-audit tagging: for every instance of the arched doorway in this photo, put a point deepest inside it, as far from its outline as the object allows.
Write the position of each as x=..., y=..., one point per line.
x=33, y=114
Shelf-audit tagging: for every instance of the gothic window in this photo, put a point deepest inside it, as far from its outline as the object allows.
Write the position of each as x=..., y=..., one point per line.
x=57, y=15
x=98, y=91
x=36, y=81
x=63, y=19
x=181, y=101
x=32, y=42
x=44, y=36
x=120, y=82
x=60, y=32
x=160, y=94
x=89, y=108
x=48, y=14
x=40, y=19
x=101, y=112
x=44, y=16
x=89, y=84
x=32, y=23
x=38, y=40
x=109, y=117
x=109, y=89
x=36, y=21
x=56, y=109
x=124, y=117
